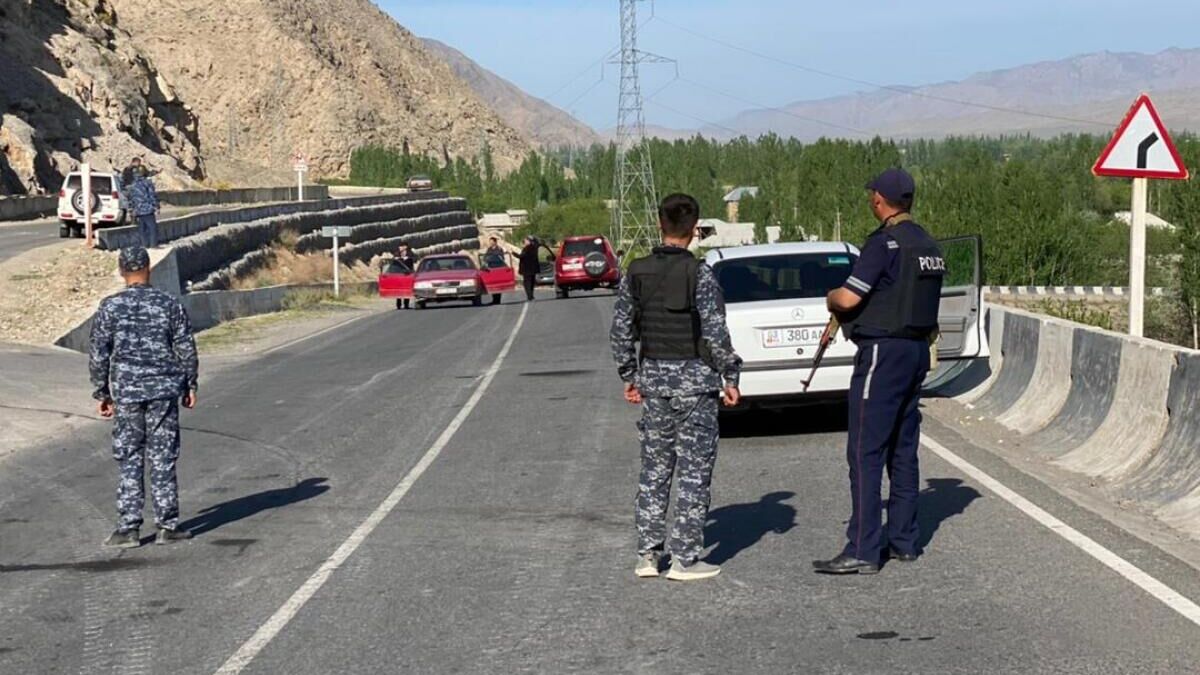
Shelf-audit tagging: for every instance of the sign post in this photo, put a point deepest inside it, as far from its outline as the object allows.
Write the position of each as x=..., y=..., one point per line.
x=300, y=166
x=337, y=233
x=1141, y=149
x=85, y=177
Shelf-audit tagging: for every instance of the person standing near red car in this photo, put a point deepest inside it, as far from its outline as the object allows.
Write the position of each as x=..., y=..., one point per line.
x=529, y=266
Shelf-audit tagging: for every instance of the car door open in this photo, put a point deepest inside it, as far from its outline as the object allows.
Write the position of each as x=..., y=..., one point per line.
x=498, y=275
x=961, y=310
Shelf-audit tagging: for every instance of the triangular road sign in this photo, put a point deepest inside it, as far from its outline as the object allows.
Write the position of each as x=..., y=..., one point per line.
x=1141, y=148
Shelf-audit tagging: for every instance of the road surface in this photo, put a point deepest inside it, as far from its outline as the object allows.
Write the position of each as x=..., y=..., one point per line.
x=393, y=496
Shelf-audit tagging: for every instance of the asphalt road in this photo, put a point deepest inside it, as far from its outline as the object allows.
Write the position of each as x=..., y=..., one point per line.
x=513, y=550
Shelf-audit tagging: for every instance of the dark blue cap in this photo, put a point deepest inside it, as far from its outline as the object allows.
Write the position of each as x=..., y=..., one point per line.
x=133, y=259
x=894, y=184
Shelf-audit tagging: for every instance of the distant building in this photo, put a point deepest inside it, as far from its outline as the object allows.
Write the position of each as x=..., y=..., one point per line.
x=716, y=233
x=518, y=216
x=497, y=222
x=1151, y=220
x=734, y=196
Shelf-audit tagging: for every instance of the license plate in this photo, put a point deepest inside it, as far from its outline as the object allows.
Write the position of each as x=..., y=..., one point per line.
x=791, y=337
x=572, y=266
x=447, y=291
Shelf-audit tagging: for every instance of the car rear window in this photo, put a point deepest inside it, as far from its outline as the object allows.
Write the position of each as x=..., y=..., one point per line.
x=572, y=249
x=444, y=264
x=783, y=277
x=99, y=183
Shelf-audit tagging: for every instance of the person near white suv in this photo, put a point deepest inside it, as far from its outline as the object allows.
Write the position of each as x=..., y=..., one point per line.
x=143, y=200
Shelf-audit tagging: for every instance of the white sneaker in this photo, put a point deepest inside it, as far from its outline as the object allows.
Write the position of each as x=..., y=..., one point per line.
x=647, y=565
x=694, y=572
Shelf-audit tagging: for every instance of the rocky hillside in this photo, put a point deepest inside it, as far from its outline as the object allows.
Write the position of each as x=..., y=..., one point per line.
x=269, y=77
x=533, y=117
x=75, y=87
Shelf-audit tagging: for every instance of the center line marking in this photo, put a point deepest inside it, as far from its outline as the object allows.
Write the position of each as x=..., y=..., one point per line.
x=267, y=632
x=1163, y=593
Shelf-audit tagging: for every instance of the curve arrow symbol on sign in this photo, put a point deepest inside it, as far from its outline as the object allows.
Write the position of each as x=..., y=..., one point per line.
x=1144, y=148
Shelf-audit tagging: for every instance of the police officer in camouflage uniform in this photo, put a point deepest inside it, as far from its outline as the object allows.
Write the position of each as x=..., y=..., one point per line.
x=669, y=302
x=142, y=362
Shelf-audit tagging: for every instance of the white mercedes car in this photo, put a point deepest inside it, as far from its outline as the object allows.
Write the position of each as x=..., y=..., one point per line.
x=775, y=307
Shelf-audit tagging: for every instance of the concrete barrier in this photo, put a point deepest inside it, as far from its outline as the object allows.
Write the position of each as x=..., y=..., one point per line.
x=1050, y=383
x=1019, y=351
x=25, y=208
x=1136, y=419
x=972, y=391
x=185, y=226
x=207, y=309
x=1095, y=362
x=1173, y=471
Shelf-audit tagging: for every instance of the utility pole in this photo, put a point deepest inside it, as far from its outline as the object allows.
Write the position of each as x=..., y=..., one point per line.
x=635, y=202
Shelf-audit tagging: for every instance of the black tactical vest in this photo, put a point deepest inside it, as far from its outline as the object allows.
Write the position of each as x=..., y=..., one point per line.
x=909, y=307
x=666, y=322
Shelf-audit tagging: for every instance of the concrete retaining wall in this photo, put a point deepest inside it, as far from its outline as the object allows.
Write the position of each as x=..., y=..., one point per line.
x=210, y=308
x=185, y=226
x=1123, y=411
x=24, y=208
x=217, y=248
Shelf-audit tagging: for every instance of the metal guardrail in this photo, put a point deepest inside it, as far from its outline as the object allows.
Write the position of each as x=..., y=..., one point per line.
x=1070, y=291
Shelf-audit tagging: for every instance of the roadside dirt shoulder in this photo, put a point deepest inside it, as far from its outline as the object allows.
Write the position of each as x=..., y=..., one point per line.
x=48, y=290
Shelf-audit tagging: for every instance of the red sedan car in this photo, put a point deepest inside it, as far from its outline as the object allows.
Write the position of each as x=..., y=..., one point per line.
x=585, y=264
x=447, y=278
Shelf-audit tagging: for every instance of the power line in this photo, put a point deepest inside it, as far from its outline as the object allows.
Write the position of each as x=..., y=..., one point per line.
x=598, y=62
x=876, y=85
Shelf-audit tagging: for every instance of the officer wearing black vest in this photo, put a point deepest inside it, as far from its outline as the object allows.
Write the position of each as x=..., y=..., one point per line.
x=889, y=309
x=670, y=304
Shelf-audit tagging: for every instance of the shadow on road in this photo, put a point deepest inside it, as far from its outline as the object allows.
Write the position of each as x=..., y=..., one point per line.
x=735, y=528
x=243, y=507
x=814, y=419
x=941, y=501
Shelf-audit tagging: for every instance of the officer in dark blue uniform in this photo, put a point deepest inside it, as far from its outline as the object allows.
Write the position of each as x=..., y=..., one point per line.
x=889, y=309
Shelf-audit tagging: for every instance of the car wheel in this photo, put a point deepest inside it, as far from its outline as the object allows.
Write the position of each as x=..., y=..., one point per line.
x=420, y=304
x=477, y=301
x=561, y=293
x=495, y=298
x=123, y=218
x=64, y=231
x=77, y=231
x=399, y=303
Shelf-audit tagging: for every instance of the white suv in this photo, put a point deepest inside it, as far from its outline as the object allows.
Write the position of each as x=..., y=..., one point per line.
x=109, y=205
x=775, y=307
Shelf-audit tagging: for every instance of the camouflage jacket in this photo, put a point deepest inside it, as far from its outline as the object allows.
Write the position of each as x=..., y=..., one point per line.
x=662, y=378
x=142, y=347
x=143, y=198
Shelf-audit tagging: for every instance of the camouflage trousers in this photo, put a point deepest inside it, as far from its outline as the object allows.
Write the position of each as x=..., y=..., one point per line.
x=677, y=434
x=147, y=431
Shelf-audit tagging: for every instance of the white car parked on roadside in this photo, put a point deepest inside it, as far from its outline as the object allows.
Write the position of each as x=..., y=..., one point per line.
x=775, y=307
x=109, y=205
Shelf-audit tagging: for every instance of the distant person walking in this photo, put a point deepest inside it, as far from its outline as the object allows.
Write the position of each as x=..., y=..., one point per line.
x=142, y=362
x=670, y=305
x=143, y=199
x=529, y=267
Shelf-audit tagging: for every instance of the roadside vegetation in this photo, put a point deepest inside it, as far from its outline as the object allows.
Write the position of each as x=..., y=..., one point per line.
x=1044, y=219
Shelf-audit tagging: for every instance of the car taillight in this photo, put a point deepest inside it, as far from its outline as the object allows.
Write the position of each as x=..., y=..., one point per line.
x=62, y=194
x=116, y=195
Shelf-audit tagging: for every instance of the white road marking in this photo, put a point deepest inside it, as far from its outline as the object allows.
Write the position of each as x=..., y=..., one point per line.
x=280, y=619
x=1163, y=593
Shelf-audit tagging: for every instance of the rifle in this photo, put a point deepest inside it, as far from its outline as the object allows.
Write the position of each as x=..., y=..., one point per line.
x=830, y=330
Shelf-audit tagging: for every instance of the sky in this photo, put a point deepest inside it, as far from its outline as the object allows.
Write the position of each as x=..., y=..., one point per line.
x=554, y=49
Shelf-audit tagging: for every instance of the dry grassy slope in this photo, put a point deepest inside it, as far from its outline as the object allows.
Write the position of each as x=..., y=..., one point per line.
x=323, y=76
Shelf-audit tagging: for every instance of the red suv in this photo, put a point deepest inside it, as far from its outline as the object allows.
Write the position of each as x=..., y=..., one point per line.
x=585, y=264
